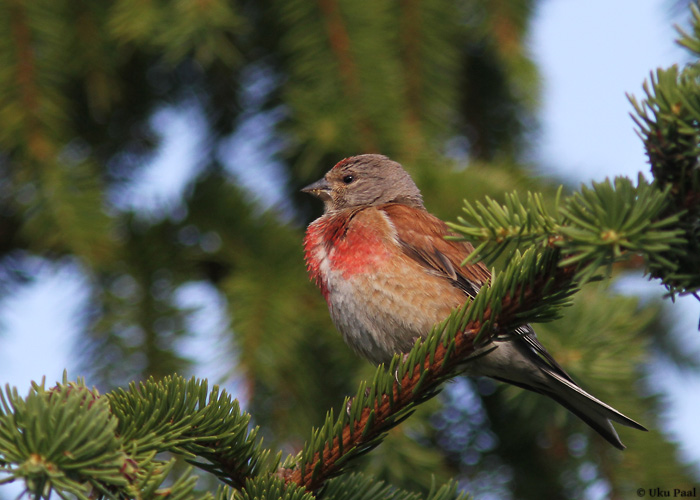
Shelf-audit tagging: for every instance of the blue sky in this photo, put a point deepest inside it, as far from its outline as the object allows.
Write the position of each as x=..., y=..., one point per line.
x=588, y=62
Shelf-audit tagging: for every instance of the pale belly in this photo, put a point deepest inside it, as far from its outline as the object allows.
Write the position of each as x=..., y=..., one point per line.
x=383, y=311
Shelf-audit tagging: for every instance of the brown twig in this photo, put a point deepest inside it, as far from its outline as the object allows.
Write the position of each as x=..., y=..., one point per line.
x=413, y=76
x=38, y=144
x=339, y=40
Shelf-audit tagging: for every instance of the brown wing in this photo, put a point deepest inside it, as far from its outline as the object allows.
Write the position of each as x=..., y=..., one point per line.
x=422, y=238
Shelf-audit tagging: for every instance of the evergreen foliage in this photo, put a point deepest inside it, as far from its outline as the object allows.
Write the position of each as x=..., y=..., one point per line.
x=424, y=82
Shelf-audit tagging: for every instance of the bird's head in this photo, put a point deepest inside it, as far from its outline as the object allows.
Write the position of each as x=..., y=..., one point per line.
x=365, y=180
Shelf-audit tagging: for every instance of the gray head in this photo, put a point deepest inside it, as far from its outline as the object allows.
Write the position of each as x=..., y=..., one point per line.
x=365, y=180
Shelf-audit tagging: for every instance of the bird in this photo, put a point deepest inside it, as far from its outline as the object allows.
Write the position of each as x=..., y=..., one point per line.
x=388, y=275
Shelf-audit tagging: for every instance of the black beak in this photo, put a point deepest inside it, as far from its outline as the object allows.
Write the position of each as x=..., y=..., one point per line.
x=320, y=189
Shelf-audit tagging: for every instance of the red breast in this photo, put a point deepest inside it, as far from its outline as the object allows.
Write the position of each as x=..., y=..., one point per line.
x=346, y=243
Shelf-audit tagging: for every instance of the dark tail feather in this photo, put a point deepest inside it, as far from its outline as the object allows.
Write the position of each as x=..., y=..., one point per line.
x=522, y=361
x=597, y=414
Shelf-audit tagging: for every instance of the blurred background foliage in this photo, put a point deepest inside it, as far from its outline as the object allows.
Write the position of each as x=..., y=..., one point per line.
x=274, y=92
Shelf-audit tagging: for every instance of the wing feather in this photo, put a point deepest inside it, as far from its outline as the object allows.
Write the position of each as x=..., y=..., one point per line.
x=421, y=237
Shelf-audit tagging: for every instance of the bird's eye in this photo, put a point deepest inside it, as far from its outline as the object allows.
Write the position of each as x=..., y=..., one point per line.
x=348, y=179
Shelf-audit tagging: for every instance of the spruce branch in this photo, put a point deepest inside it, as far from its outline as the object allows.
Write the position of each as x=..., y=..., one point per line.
x=668, y=121
x=183, y=417
x=62, y=439
x=600, y=225
x=73, y=441
x=669, y=124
